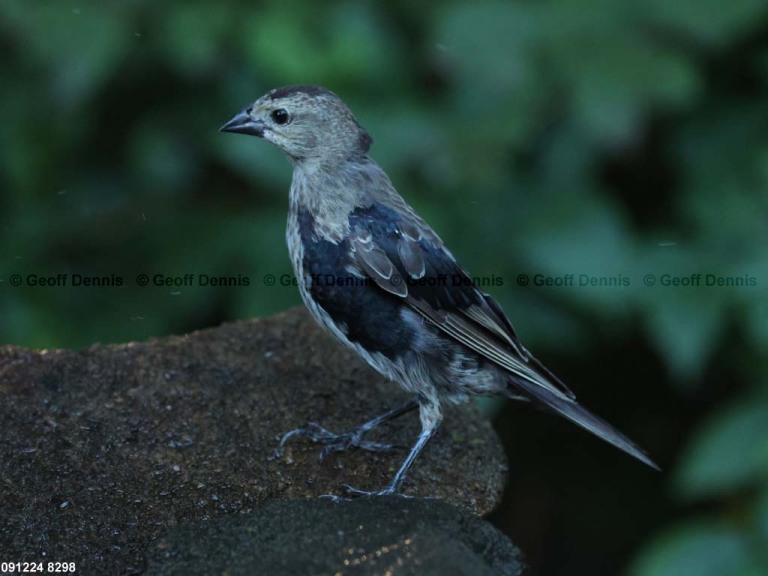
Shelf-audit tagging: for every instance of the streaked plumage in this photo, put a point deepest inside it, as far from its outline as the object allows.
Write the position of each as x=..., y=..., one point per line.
x=442, y=341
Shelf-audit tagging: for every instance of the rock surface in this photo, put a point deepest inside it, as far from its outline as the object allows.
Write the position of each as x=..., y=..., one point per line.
x=104, y=449
x=387, y=535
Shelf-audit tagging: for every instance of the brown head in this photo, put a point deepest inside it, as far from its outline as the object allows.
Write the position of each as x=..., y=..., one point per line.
x=309, y=123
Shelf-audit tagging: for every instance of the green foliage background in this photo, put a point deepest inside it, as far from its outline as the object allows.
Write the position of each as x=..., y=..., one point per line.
x=600, y=137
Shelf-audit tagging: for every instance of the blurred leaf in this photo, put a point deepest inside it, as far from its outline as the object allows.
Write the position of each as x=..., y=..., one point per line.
x=362, y=48
x=81, y=45
x=615, y=71
x=709, y=21
x=761, y=518
x=161, y=160
x=257, y=160
x=757, y=321
x=724, y=168
x=496, y=61
x=407, y=138
x=578, y=241
x=280, y=42
x=728, y=453
x=305, y=44
x=684, y=324
x=698, y=549
x=192, y=37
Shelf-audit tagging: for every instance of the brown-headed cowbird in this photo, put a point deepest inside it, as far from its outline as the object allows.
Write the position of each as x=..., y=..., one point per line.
x=371, y=272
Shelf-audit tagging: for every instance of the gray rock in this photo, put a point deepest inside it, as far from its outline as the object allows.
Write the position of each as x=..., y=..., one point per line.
x=388, y=535
x=104, y=449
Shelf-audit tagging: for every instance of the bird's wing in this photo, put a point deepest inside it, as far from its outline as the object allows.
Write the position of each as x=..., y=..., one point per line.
x=404, y=257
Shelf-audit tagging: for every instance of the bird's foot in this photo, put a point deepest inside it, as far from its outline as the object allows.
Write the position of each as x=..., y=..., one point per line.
x=334, y=498
x=388, y=491
x=333, y=442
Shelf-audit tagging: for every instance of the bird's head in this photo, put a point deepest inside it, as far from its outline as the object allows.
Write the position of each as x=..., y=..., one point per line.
x=308, y=123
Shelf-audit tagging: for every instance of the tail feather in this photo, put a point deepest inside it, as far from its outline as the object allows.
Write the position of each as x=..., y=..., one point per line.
x=579, y=415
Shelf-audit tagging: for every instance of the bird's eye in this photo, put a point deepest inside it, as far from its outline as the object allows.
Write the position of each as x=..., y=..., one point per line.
x=280, y=116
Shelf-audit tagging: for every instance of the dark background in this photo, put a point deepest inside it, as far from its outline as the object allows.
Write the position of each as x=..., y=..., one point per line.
x=624, y=140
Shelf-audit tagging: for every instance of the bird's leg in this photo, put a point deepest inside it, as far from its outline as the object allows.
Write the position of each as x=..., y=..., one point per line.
x=430, y=421
x=354, y=439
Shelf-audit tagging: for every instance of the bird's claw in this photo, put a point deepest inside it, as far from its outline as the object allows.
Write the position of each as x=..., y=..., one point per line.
x=333, y=442
x=388, y=491
x=334, y=498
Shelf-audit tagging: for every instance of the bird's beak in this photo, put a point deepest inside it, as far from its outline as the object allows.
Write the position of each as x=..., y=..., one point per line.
x=242, y=123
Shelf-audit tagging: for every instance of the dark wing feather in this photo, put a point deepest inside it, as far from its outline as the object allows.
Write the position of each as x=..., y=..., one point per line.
x=404, y=257
x=401, y=254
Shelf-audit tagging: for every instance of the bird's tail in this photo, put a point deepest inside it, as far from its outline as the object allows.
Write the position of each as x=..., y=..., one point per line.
x=577, y=414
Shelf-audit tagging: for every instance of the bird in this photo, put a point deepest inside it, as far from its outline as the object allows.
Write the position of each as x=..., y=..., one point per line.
x=380, y=280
